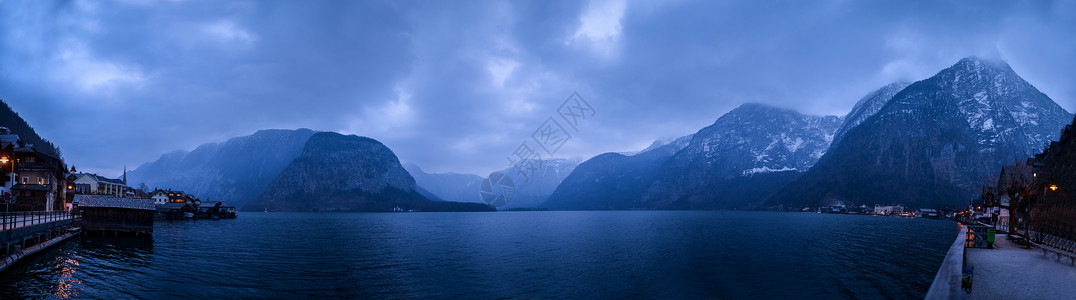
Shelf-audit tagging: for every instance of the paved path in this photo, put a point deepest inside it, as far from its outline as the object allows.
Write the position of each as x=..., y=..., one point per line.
x=1012, y=272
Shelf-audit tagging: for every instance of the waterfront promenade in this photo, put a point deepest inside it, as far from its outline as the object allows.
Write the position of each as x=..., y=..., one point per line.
x=1011, y=272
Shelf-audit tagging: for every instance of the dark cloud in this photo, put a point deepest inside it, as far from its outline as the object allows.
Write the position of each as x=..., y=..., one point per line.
x=456, y=86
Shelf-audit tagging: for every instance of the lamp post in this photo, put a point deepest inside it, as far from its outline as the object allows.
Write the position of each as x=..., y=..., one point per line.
x=7, y=207
x=1027, y=223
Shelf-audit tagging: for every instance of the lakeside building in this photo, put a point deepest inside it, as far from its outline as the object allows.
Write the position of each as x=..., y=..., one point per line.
x=116, y=214
x=160, y=197
x=1056, y=165
x=174, y=205
x=216, y=210
x=169, y=196
x=93, y=184
x=888, y=209
x=34, y=179
x=928, y=213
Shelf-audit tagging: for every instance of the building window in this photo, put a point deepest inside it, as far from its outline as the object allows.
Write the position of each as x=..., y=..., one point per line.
x=26, y=180
x=40, y=180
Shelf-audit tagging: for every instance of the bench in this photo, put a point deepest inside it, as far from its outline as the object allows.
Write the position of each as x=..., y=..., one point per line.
x=1059, y=246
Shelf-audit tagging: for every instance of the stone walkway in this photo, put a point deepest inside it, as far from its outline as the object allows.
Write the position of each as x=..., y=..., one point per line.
x=1011, y=272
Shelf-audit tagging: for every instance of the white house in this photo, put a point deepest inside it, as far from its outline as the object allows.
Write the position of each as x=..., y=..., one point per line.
x=888, y=209
x=160, y=197
x=86, y=183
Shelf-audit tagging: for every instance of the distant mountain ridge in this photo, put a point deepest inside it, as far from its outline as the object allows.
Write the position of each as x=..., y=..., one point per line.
x=933, y=142
x=447, y=186
x=716, y=169
x=236, y=171
x=531, y=190
x=338, y=172
x=254, y=172
x=867, y=107
x=751, y=145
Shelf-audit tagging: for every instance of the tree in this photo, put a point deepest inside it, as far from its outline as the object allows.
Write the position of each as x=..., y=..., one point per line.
x=1015, y=182
x=143, y=187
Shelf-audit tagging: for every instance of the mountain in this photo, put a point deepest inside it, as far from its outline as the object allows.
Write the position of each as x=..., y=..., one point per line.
x=747, y=151
x=933, y=142
x=679, y=143
x=611, y=180
x=531, y=190
x=722, y=166
x=447, y=186
x=236, y=171
x=11, y=119
x=866, y=107
x=349, y=173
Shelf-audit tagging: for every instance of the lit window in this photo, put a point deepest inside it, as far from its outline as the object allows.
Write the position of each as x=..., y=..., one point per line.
x=40, y=180
x=26, y=180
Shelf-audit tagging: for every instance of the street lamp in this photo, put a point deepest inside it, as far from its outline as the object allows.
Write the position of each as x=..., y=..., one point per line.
x=7, y=198
x=7, y=208
x=1027, y=223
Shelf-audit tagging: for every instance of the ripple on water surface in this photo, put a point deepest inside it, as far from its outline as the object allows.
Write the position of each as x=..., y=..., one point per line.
x=662, y=254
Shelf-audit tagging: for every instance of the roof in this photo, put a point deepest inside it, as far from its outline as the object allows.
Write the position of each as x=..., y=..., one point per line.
x=113, y=201
x=99, y=178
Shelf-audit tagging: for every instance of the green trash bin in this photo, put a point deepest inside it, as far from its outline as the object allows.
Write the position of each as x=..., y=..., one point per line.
x=990, y=237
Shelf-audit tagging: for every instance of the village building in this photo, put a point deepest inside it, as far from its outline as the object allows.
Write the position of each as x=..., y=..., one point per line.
x=35, y=181
x=216, y=210
x=93, y=184
x=175, y=211
x=888, y=209
x=1056, y=166
x=160, y=197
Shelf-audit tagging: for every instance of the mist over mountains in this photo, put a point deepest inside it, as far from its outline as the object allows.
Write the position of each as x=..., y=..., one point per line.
x=531, y=190
x=935, y=141
x=295, y=170
x=726, y=165
x=924, y=144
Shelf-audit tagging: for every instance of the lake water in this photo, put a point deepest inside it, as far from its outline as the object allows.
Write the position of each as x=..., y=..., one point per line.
x=608, y=254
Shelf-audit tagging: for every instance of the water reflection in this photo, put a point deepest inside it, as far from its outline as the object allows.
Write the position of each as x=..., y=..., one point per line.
x=67, y=285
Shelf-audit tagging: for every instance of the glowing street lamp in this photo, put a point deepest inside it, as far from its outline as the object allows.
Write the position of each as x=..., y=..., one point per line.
x=4, y=160
x=1053, y=187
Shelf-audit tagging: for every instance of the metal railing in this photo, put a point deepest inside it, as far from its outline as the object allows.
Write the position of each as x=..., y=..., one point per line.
x=976, y=236
x=12, y=220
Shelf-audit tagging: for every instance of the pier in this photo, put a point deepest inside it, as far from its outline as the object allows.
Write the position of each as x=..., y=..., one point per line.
x=26, y=233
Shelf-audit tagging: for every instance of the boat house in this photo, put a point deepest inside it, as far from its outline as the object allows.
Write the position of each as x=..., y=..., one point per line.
x=115, y=214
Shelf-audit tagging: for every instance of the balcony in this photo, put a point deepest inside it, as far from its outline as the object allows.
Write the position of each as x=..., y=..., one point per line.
x=33, y=166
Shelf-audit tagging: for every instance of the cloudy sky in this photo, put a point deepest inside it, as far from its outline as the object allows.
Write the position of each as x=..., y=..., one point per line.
x=458, y=85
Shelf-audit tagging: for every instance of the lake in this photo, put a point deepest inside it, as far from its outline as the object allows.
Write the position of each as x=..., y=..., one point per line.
x=603, y=254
